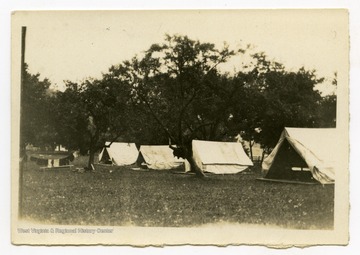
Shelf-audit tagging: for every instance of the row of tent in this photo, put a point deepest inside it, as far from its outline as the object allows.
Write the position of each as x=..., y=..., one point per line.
x=214, y=157
x=301, y=154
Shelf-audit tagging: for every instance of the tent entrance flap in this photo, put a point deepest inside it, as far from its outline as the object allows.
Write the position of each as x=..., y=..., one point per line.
x=289, y=165
x=301, y=151
x=105, y=157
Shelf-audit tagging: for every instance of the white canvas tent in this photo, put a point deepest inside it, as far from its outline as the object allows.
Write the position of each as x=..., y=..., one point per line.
x=220, y=157
x=303, y=153
x=119, y=153
x=159, y=157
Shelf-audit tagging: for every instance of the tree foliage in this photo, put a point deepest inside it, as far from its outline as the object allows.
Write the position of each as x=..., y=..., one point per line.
x=175, y=91
x=93, y=112
x=327, y=107
x=274, y=98
x=177, y=84
x=35, y=119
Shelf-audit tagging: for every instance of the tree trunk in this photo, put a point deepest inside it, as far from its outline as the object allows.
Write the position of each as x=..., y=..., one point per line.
x=92, y=152
x=251, y=151
x=194, y=168
x=185, y=152
x=263, y=155
x=94, y=139
x=91, y=158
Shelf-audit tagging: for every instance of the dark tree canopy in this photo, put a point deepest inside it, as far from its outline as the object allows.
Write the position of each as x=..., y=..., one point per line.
x=275, y=98
x=94, y=111
x=175, y=91
x=35, y=119
x=176, y=83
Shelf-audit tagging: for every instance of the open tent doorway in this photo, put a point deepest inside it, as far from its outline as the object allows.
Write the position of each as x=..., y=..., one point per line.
x=305, y=155
x=289, y=165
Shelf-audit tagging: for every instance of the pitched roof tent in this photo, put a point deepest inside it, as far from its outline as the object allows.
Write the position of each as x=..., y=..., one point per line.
x=311, y=149
x=119, y=153
x=220, y=157
x=159, y=157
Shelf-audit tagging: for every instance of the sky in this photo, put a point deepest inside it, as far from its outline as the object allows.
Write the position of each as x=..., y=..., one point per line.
x=78, y=45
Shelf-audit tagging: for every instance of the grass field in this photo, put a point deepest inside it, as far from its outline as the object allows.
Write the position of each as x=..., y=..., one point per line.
x=118, y=196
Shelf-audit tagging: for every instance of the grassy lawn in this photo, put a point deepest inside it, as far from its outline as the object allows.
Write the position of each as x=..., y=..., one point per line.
x=161, y=198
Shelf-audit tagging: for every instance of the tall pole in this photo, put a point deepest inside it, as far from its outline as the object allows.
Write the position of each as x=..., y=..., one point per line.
x=22, y=145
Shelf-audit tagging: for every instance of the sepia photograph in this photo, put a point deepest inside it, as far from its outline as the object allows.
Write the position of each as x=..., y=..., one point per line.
x=172, y=127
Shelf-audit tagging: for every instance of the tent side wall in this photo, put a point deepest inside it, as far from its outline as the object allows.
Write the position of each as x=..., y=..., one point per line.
x=120, y=154
x=164, y=165
x=158, y=157
x=156, y=165
x=217, y=168
x=197, y=158
x=223, y=169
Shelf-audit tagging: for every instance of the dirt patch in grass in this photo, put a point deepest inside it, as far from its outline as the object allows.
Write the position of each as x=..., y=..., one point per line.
x=119, y=196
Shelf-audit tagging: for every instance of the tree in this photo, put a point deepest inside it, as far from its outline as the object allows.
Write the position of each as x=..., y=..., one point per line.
x=94, y=112
x=175, y=92
x=327, y=108
x=285, y=98
x=247, y=109
x=178, y=85
x=70, y=118
x=35, y=124
x=327, y=111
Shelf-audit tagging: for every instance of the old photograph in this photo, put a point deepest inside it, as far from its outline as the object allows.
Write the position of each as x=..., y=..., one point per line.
x=216, y=127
